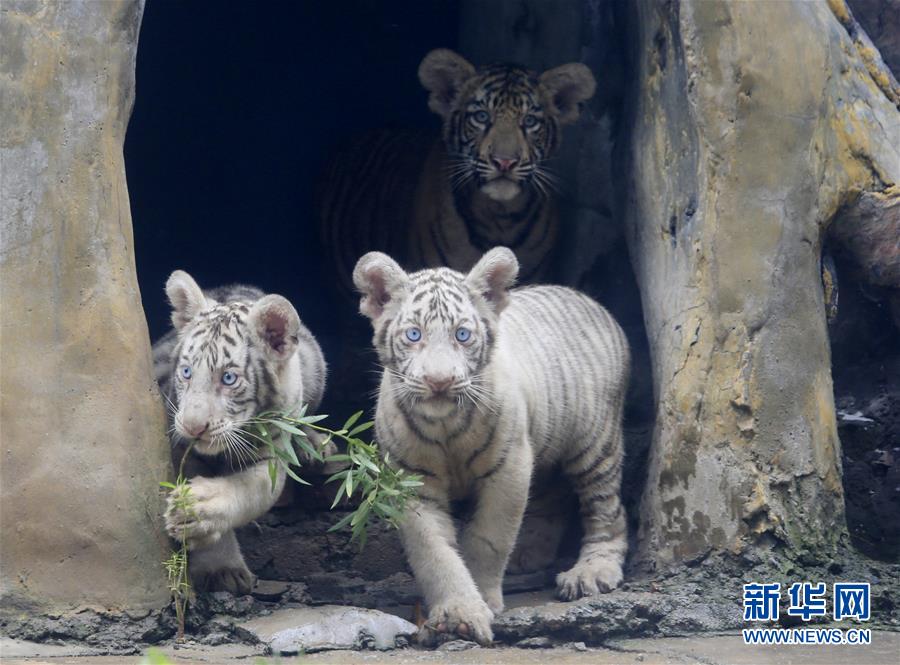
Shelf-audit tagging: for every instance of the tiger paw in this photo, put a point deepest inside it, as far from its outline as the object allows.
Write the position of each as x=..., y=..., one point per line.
x=465, y=618
x=236, y=580
x=588, y=579
x=204, y=520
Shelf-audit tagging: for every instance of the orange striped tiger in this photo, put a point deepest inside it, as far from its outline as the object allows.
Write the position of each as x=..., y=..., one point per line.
x=433, y=202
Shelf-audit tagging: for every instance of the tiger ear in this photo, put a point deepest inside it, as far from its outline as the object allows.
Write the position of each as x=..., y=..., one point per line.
x=493, y=277
x=442, y=73
x=379, y=279
x=186, y=297
x=276, y=325
x=567, y=86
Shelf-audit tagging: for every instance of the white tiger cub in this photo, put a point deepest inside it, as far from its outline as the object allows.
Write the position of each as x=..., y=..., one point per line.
x=481, y=386
x=234, y=353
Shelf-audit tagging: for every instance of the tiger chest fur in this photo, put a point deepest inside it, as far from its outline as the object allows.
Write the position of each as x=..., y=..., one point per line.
x=454, y=226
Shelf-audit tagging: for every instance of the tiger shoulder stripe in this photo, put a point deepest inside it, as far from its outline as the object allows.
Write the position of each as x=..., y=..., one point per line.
x=484, y=385
x=483, y=182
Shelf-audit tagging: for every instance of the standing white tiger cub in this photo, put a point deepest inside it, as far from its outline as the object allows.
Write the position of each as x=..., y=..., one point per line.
x=234, y=353
x=481, y=386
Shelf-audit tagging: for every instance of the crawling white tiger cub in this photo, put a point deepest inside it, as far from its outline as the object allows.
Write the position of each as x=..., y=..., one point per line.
x=234, y=353
x=482, y=385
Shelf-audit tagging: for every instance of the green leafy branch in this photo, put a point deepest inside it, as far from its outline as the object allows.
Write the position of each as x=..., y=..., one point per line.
x=384, y=490
x=176, y=565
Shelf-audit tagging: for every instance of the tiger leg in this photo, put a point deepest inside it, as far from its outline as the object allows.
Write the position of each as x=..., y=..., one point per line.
x=543, y=526
x=220, y=567
x=596, y=477
x=454, y=604
x=489, y=536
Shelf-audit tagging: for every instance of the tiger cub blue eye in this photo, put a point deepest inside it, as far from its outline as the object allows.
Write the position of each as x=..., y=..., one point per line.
x=186, y=372
x=463, y=335
x=228, y=378
x=481, y=116
x=530, y=121
x=413, y=334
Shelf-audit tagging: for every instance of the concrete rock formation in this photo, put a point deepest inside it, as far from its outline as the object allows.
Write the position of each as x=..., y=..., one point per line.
x=83, y=429
x=752, y=132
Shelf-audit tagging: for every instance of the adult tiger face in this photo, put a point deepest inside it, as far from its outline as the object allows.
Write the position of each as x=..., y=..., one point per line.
x=501, y=122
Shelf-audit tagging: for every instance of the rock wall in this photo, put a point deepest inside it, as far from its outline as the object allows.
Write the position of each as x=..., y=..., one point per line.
x=83, y=428
x=750, y=130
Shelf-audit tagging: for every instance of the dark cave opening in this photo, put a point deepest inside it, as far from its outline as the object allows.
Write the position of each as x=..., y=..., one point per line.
x=237, y=110
x=865, y=354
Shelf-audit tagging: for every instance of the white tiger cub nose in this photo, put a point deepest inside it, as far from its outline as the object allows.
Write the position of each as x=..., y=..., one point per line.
x=196, y=429
x=438, y=384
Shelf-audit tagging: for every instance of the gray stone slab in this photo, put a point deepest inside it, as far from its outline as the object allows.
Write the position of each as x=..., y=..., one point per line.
x=310, y=629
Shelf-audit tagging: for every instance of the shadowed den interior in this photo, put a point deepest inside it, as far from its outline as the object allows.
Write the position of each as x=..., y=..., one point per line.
x=236, y=109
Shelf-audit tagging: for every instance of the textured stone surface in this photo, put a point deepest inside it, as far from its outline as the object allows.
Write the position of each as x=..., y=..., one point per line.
x=309, y=629
x=83, y=428
x=739, y=156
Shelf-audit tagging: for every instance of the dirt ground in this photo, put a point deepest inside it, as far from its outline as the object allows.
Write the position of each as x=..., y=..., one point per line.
x=698, y=650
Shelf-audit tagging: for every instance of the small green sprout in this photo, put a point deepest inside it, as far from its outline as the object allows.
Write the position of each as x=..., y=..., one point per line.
x=177, y=564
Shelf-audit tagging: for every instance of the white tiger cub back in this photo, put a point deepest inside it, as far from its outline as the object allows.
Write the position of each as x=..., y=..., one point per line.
x=483, y=385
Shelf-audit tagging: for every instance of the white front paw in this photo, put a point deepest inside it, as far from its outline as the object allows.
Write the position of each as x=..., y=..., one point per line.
x=493, y=596
x=205, y=519
x=588, y=579
x=468, y=618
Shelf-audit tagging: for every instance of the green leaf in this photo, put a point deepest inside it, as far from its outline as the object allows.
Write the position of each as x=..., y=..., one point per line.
x=291, y=454
x=293, y=475
x=273, y=474
x=310, y=449
x=163, y=483
x=388, y=509
x=361, y=514
x=352, y=419
x=348, y=484
x=360, y=534
x=288, y=428
x=309, y=420
x=338, y=457
x=369, y=464
x=286, y=458
x=338, y=475
x=344, y=521
x=361, y=428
